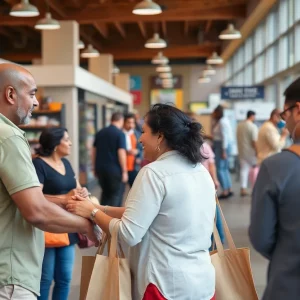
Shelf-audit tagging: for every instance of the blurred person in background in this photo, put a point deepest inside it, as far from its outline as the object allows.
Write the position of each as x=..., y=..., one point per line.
x=222, y=137
x=169, y=213
x=110, y=161
x=131, y=147
x=270, y=141
x=247, y=133
x=275, y=227
x=58, y=181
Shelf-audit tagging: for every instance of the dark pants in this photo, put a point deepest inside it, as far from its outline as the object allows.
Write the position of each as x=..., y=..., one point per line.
x=112, y=189
x=58, y=266
x=131, y=177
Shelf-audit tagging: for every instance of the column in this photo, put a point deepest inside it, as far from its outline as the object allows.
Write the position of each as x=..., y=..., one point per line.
x=122, y=81
x=102, y=67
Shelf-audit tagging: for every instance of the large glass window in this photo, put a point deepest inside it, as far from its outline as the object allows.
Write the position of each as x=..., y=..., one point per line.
x=249, y=50
x=283, y=16
x=229, y=69
x=270, y=62
x=259, y=69
x=291, y=47
x=291, y=13
x=297, y=42
x=297, y=10
x=283, y=53
x=259, y=39
x=249, y=75
x=271, y=26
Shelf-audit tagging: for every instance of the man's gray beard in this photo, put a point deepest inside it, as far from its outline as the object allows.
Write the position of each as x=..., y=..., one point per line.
x=24, y=118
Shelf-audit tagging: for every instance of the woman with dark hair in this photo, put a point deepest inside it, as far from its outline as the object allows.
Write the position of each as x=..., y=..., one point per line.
x=58, y=181
x=222, y=145
x=169, y=213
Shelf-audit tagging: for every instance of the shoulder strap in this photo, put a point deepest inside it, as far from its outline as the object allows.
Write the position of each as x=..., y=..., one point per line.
x=294, y=149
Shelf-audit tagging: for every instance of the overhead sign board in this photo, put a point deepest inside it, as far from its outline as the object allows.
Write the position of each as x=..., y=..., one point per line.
x=242, y=92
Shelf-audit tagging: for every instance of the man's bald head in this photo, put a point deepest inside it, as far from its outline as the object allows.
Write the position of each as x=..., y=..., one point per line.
x=17, y=93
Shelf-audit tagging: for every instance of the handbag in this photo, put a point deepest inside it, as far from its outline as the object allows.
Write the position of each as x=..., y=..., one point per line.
x=84, y=242
x=110, y=278
x=55, y=240
x=234, y=280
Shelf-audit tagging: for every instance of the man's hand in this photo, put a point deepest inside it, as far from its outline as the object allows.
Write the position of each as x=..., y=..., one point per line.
x=125, y=176
x=133, y=152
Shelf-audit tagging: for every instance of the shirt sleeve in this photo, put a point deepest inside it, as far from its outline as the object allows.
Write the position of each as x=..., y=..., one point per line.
x=40, y=171
x=16, y=168
x=122, y=141
x=142, y=207
x=264, y=219
x=274, y=139
x=254, y=133
x=224, y=128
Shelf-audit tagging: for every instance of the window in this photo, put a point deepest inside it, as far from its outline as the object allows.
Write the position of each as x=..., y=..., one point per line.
x=283, y=53
x=259, y=39
x=249, y=75
x=259, y=68
x=283, y=16
x=291, y=49
x=291, y=12
x=249, y=50
x=297, y=10
x=271, y=28
x=297, y=42
x=270, y=62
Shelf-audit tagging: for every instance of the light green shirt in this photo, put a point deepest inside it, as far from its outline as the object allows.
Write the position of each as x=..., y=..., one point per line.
x=21, y=244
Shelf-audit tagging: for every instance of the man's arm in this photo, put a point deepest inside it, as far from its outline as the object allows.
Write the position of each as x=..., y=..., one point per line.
x=46, y=215
x=123, y=163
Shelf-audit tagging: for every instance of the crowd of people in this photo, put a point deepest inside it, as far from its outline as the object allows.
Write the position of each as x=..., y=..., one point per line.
x=168, y=217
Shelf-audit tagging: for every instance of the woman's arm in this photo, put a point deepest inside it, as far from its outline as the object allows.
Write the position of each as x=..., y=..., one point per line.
x=114, y=212
x=60, y=200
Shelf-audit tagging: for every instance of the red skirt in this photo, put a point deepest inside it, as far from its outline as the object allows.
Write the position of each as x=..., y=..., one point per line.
x=152, y=293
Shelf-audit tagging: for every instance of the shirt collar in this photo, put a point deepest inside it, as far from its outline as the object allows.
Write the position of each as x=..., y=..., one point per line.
x=167, y=154
x=5, y=120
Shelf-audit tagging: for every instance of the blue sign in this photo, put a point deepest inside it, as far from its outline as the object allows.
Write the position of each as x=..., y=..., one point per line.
x=242, y=92
x=135, y=83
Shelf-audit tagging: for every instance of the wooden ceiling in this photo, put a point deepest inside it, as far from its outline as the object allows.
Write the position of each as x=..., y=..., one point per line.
x=191, y=27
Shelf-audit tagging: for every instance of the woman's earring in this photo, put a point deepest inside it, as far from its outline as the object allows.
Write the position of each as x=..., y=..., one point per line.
x=158, y=148
x=55, y=149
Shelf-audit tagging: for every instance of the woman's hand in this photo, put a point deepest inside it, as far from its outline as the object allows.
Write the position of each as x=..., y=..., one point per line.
x=80, y=206
x=82, y=192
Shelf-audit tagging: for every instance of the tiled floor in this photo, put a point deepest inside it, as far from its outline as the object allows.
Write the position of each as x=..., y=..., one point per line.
x=236, y=212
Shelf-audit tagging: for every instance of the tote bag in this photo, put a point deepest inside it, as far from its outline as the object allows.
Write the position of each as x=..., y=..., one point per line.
x=234, y=279
x=110, y=279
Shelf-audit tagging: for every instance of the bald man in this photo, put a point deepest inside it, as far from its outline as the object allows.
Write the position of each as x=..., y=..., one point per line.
x=24, y=211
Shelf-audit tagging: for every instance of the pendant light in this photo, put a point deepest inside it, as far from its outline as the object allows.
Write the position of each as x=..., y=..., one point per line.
x=47, y=23
x=116, y=70
x=209, y=71
x=24, y=9
x=163, y=68
x=204, y=79
x=147, y=7
x=90, y=52
x=156, y=42
x=160, y=59
x=80, y=45
x=230, y=33
x=165, y=75
x=215, y=59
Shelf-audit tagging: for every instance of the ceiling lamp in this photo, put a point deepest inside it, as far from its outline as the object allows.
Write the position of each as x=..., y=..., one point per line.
x=156, y=42
x=230, y=33
x=204, y=79
x=147, y=7
x=159, y=59
x=215, y=59
x=209, y=71
x=47, y=23
x=24, y=9
x=165, y=75
x=80, y=45
x=116, y=70
x=90, y=52
x=163, y=68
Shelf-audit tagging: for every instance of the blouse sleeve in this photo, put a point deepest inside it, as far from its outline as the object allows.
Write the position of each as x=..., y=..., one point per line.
x=40, y=171
x=142, y=206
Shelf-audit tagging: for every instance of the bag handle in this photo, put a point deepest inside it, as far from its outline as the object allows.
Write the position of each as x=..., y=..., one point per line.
x=114, y=243
x=228, y=235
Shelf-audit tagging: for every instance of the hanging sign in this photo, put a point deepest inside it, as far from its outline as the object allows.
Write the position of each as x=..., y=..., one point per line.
x=242, y=92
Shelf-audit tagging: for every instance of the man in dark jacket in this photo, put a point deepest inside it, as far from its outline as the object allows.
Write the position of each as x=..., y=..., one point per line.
x=275, y=221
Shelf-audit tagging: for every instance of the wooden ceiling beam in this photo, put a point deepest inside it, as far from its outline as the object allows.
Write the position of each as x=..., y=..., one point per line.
x=121, y=29
x=143, y=29
x=208, y=26
x=58, y=8
x=186, y=28
x=164, y=28
x=102, y=29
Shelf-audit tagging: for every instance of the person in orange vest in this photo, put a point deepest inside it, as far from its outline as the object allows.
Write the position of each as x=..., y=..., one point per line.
x=131, y=146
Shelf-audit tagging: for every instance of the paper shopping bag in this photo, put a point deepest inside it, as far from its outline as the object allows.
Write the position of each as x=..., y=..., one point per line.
x=234, y=280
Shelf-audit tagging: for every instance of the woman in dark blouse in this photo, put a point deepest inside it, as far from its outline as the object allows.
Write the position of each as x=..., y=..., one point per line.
x=58, y=182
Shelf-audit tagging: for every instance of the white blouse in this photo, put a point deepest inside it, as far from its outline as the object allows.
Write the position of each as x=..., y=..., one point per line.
x=168, y=223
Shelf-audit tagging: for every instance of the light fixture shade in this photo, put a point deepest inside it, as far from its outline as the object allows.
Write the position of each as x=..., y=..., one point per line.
x=147, y=7
x=215, y=59
x=209, y=71
x=165, y=75
x=230, y=33
x=24, y=9
x=80, y=45
x=204, y=79
x=116, y=70
x=90, y=52
x=47, y=23
x=160, y=59
x=163, y=68
x=156, y=42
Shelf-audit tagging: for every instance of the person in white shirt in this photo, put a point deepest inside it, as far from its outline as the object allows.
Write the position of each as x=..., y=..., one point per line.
x=246, y=134
x=270, y=141
x=222, y=136
x=169, y=213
